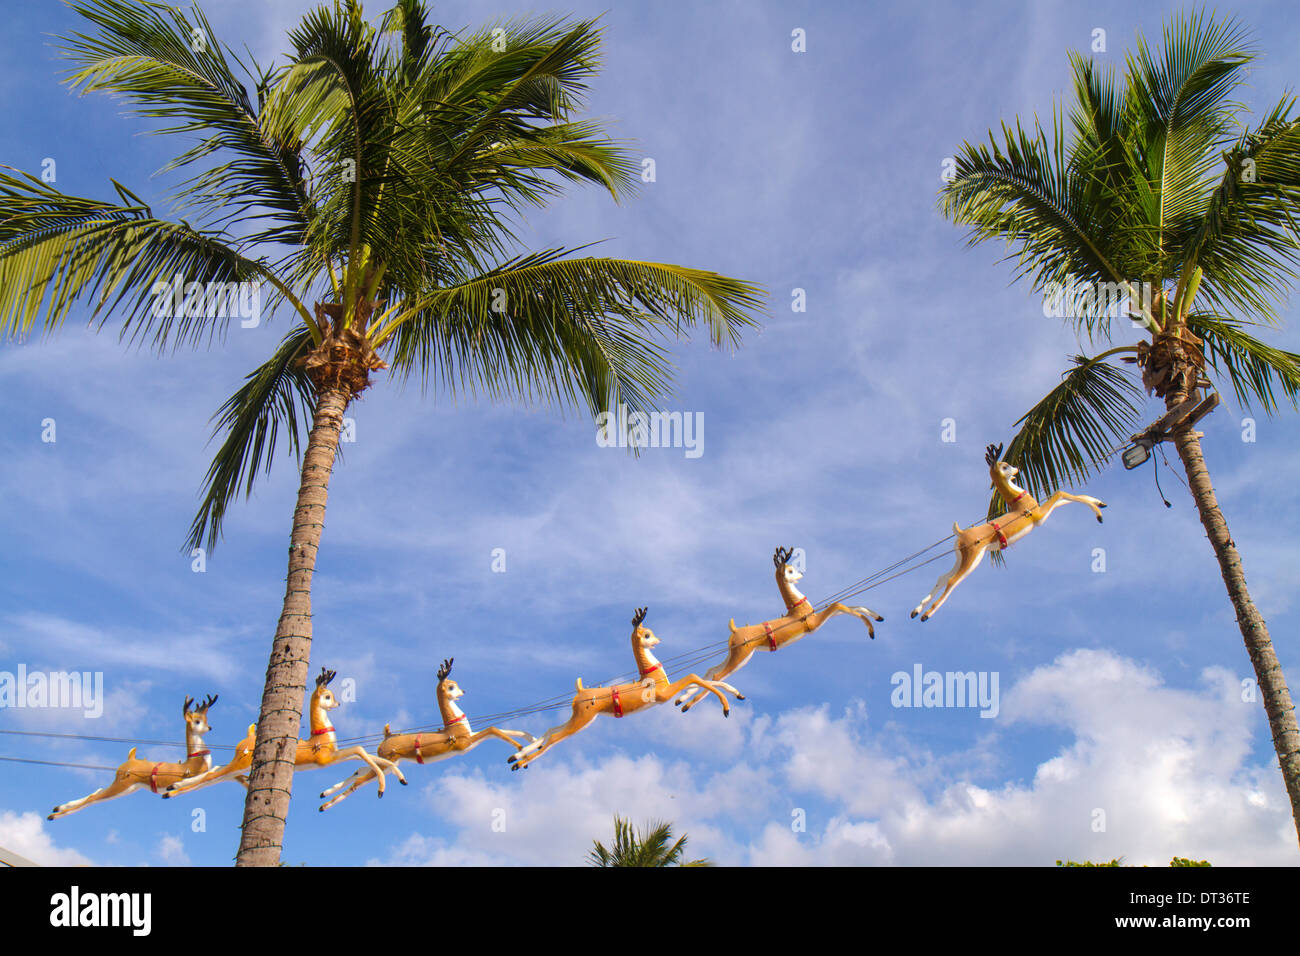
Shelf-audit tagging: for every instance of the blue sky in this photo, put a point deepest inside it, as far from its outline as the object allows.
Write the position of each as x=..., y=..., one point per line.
x=1119, y=691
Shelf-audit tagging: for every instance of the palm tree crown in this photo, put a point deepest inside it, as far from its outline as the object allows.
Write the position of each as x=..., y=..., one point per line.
x=370, y=184
x=1156, y=202
x=651, y=848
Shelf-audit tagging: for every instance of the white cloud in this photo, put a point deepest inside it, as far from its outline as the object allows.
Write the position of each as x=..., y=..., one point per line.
x=172, y=850
x=1171, y=769
x=24, y=834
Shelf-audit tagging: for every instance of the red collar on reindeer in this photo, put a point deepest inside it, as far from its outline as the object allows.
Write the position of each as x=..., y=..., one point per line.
x=649, y=670
x=323, y=730
x=200, y=753
x=802, y=600
x=455, y=720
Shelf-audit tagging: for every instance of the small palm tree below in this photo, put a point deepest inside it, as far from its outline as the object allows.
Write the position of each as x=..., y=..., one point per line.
x=653, y=848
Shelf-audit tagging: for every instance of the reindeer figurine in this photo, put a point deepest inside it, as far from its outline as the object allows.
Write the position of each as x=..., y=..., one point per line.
x=320, y=751
x=1023, y=515
x=800, y=620
x=456, y=737
x=653, y=688
x=136, y=773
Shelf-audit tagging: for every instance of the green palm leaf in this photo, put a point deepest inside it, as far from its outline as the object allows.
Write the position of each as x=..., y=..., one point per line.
x=275, y=395
x=1257, y=370
x=1074, y=429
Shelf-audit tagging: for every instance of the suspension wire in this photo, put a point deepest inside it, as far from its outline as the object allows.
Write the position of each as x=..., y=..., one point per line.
x=113, y=740
x=55, y=763
x=686, y=659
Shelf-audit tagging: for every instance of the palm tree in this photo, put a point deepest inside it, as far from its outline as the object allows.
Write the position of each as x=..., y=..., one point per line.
x=1161, y=192
x=375, y=175
x=649, y=849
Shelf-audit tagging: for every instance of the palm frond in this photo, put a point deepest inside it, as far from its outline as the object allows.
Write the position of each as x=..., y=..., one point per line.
x=1245, y=236
x=57, y=250
x=275, y=395
x=1255, y=369
x=1074, y=429
x=1026, y=192
x=549, y=328
x=177, y=70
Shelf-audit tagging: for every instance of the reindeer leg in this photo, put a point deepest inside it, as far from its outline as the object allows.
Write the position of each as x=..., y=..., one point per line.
x=360, y=753
x=956, y=576
x=359, y=780
x=529, y=753
x=738, y=656
x=1061, y=497
x=119, y=787
x=507, y=735
x=942, y=582
x=202, y=780
x=708, y=687
x=342, y=783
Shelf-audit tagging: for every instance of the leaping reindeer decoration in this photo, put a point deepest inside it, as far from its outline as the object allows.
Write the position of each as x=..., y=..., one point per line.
x=1023, y=515
x=135, y=773
x=800, y=620
x=456, y=737
x=653, y=688
x=321, y=751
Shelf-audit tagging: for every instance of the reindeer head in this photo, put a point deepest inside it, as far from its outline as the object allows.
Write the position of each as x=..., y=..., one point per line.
x=784, y=571
x=993, y=457
x=642, y=636
x=323, y=696
x=446, y=687
x=196, y=718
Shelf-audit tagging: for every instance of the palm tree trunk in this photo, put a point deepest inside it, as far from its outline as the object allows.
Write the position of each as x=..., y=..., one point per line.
x=271, y=780
x=1268, y=673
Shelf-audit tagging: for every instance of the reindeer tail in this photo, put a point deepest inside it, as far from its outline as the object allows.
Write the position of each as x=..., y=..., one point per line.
x=580, y=687
x=387, y=733
x=131, y=754
x=956, y=528
x=732, y=624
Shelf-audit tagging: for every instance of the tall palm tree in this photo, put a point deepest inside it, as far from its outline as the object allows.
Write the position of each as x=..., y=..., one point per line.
x=369, y=184
x=651, y=848
x=1159, y=190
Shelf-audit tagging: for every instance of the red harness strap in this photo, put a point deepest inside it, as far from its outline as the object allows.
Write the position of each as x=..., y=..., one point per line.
x=802, y=600
x=323, y=730
x=1002, y=538
x=771, y=641
x=153, y=779
x=618, y=706
x=418, y=758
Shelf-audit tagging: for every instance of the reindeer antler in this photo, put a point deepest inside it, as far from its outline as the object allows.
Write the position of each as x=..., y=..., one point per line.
x=639, y=616
x=781, y=556
x=212, y=699
x=445, y=669
x=324, y=677
x=992, y=455
x=189, y=702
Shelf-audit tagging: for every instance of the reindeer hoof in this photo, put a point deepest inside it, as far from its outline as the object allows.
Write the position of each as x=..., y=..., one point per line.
x=740, y=697
x=879, y=618
x=924, y=618
x=1098, y=519
x=915, y=613
x=727, y=712
x=50, y=817
x=321, y=809
x=403, y=781
x=1102, y=504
